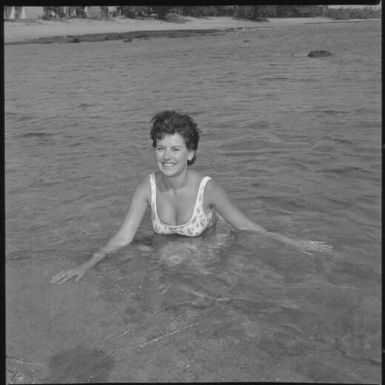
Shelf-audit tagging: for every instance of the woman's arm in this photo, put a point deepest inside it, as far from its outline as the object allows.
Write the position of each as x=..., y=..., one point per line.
x=217, y=197
x=124, y=236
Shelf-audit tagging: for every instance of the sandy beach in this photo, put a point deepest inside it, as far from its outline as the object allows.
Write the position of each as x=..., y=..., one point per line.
x=31, y=30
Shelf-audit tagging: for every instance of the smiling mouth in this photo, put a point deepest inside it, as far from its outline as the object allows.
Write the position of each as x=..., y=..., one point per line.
x=167, y=164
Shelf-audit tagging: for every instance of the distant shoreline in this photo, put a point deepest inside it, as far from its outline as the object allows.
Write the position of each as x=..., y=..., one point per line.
x=80, y=30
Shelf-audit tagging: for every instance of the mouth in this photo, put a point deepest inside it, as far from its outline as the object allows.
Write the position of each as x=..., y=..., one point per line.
x=168, y=164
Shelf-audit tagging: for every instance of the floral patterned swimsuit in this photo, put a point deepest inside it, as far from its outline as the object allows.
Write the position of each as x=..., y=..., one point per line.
x=198, y=222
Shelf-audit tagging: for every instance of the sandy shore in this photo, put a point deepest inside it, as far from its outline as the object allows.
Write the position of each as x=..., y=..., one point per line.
x=30, y=31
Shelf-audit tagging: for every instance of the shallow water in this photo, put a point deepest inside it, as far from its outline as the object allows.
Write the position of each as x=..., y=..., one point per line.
x=296, y=143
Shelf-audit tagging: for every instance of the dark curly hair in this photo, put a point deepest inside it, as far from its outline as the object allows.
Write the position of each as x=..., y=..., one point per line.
x=169, y=123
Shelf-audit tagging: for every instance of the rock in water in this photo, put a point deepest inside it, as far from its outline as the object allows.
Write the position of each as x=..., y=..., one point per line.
x=319, y=53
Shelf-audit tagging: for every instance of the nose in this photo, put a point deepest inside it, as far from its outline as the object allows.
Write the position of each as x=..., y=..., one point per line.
x=167, y=154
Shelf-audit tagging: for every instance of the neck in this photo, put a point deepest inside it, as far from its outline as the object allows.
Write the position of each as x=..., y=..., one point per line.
x=175, y=182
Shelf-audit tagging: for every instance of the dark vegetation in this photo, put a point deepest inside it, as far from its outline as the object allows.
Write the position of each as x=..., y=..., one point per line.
x=353, y=13
x=252, y=12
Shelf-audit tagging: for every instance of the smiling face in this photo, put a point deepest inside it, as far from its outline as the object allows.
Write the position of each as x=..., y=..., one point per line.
x=172, y=154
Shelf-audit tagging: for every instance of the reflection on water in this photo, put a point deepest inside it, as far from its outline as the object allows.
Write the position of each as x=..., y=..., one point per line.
x=295, y=142
x=79, y=365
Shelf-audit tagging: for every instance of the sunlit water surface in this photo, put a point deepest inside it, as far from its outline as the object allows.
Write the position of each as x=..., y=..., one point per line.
x=296, y=143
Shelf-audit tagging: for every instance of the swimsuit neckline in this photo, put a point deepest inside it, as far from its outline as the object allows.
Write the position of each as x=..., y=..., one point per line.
x=193, y=212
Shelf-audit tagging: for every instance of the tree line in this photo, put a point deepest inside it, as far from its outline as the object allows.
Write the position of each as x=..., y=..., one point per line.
x=252, y=12
x=354, y=13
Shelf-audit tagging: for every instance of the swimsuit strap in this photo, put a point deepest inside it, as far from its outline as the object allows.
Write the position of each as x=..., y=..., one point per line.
x=198, y=206
x=153, y=192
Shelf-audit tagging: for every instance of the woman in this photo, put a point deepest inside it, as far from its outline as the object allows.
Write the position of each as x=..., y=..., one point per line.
x=182, y=201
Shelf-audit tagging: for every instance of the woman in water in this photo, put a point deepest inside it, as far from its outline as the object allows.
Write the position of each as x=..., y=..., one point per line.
x=182, y=201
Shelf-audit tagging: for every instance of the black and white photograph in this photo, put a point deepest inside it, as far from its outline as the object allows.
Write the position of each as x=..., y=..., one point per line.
x=193, y=193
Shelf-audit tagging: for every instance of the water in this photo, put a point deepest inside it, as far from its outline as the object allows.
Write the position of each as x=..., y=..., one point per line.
x=296, y=143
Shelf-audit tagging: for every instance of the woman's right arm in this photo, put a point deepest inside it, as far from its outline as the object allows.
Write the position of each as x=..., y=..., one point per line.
x=123, y=237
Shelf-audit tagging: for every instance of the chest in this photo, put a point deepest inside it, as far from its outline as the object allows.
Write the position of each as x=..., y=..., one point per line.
x=176, y=209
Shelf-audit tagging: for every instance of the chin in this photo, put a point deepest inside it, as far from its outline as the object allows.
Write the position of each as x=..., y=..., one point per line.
x=173, y=171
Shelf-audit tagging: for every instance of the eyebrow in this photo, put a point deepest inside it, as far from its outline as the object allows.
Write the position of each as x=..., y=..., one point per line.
x=173, y=146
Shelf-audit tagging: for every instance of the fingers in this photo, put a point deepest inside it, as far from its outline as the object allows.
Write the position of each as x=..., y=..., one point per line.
x=78, y=277
x=56, y=278
x=320, y=246
x=62, y=277
x=325, y=247
x=308, y=246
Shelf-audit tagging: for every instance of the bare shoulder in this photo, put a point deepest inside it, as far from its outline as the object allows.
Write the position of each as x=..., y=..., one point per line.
x=213, y=191
x=196, y=175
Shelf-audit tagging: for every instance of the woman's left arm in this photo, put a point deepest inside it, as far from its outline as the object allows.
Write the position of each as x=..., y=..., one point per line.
x=217, y=197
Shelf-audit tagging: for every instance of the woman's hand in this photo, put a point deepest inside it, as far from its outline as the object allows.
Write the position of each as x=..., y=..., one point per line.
x=65, y=275
x=306, y=246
